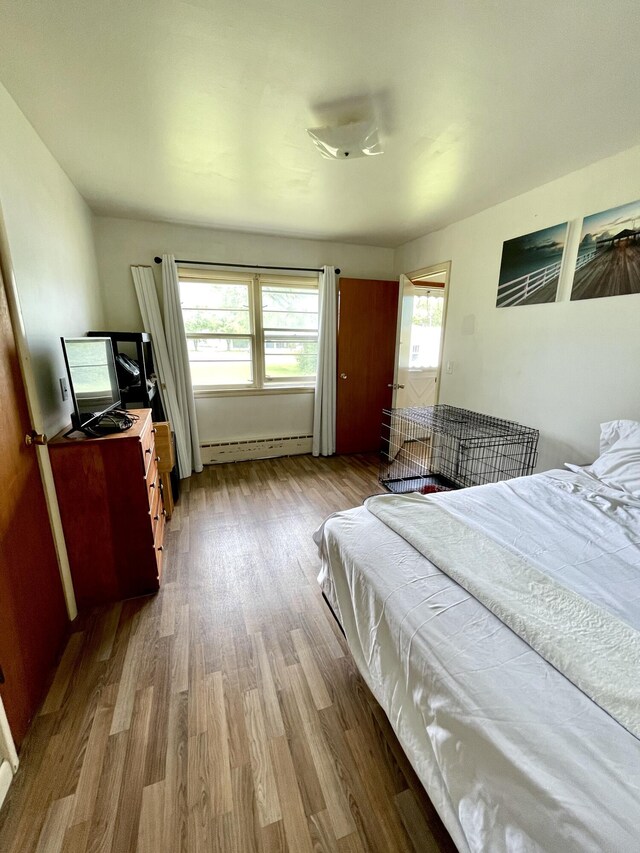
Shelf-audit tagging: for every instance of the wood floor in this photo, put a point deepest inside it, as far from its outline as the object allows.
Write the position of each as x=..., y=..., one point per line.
x=225, y=713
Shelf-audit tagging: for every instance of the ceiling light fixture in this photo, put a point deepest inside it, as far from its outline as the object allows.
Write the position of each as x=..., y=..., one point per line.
x=347, y=141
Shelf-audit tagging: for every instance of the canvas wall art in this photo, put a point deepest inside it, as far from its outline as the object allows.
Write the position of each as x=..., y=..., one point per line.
x=608, y=262
x=530, y=268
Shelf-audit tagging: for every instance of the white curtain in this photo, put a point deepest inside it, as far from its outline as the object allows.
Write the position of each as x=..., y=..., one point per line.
x=177, y=347
x=145, y=287
x=324, y=413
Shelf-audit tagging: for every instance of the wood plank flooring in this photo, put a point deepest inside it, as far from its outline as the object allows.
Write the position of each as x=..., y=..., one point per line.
x=225, y=713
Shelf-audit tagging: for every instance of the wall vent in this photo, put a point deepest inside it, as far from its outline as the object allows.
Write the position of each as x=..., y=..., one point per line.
x=255, y=448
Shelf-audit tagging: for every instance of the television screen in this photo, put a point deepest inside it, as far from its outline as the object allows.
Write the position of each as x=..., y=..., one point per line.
x=92, y=376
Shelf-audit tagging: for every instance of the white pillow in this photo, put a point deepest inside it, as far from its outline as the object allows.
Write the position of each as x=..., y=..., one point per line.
x=614, y=430
x=619, y=465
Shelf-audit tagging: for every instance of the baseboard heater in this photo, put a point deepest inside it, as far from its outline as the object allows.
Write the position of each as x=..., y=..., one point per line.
x=255, y=448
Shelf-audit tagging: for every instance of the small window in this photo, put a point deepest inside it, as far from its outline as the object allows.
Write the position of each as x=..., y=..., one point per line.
x=426, y=330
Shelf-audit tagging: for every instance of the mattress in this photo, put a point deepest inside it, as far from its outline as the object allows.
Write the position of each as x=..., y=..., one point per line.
x=513, y=755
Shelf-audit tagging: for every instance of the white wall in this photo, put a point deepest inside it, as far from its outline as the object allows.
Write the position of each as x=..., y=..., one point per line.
x=122, y=242
x=50, y=234
x=561, y=367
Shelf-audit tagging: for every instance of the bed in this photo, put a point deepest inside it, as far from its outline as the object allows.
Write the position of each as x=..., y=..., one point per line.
x=499, y=629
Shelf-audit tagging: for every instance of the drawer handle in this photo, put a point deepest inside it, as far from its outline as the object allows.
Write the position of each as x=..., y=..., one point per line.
x=157, y=458
x=152, y=486
x=148, y=450
x=153, y=431
x=156, y=518
x=161, y=548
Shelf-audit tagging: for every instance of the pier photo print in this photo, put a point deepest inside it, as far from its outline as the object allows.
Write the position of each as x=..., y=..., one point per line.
x=608, y=261
x=530, y=267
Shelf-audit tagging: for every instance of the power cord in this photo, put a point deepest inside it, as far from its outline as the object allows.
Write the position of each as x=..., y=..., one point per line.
x=118, y=419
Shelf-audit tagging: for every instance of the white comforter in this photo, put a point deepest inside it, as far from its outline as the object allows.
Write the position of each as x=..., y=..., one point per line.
x=514, y=756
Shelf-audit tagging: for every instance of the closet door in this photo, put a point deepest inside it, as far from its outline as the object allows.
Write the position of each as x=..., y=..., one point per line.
x=367, y=316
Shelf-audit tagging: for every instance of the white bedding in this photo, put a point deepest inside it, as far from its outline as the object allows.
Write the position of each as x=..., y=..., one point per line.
x=592, y=647
x=514, y=756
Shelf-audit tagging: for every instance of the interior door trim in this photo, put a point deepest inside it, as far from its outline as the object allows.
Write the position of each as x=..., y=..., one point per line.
x=7, y=275
x=6, y=777
x=8, y=755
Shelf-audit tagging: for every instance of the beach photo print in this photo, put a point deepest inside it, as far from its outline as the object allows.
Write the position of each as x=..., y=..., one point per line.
x=608, y=261
x=530, y=268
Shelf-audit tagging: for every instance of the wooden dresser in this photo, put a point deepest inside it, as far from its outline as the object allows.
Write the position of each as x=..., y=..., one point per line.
x=112, y=511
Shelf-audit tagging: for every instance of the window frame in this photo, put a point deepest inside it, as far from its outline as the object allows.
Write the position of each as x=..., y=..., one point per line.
x=254, y=282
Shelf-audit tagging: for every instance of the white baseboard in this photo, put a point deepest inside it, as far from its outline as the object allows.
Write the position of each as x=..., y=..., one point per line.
x=255, y=448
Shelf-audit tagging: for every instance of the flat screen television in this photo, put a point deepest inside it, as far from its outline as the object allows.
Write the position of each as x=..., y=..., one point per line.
x=92, y=379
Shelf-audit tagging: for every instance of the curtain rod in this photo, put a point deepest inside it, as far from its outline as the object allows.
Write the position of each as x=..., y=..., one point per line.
x=246, y=266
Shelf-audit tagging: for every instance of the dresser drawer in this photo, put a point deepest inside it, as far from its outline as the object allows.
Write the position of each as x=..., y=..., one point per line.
x=164, y=446
x=147, y=443
x=157, y=510
x=158, y=540
x=153, y=483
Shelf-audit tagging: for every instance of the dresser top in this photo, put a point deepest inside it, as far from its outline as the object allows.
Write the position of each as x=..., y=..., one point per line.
x=144, y=416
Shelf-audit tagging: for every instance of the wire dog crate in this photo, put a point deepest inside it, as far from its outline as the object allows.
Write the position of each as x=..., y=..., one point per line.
x=442, y=447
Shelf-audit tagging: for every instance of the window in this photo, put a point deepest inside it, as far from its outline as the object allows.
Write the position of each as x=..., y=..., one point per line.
x=248, y=331
x=426, y=330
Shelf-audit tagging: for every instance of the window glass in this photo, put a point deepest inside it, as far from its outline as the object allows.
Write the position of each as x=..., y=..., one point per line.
x=289, y=356
x=290, y=321
x=208, y=294
x=220, y=361
x=221, y=321
x=426, y=331
x=289, y=308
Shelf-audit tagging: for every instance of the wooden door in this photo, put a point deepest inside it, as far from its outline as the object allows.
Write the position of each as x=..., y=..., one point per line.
x=366, y=352
x=32, y=610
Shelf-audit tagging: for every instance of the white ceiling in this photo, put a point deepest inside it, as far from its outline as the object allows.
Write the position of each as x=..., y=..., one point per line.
x=196, y=111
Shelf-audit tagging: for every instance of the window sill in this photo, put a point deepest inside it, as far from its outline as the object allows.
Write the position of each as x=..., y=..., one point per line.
x=253, y=392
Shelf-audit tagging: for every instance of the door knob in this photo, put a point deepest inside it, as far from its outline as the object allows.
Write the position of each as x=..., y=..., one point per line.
x=396, y=386
x=343, y=376
x=34, y=437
